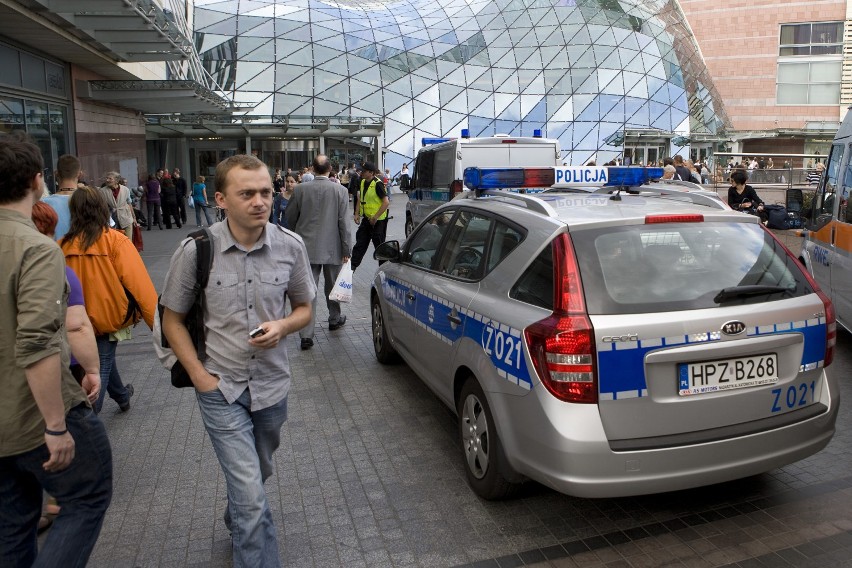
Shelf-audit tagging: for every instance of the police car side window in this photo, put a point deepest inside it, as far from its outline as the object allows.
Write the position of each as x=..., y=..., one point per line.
x=424, y=243
x=463, y=253
x=535, y=286
x=505, y=240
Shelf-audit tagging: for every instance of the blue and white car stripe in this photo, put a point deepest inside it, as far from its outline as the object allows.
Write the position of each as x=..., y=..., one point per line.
x=621, y=365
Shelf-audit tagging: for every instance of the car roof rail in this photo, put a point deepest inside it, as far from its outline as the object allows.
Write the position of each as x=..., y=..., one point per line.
x=670, y=190
x=531, y=202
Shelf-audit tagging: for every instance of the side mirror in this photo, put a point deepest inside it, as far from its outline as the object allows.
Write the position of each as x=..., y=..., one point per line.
x=388, y=251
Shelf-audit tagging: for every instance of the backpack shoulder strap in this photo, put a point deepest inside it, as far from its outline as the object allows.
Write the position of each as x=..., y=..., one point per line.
x=204, y=256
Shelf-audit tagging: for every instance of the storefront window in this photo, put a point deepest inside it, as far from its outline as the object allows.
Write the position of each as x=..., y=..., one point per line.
x=38, y=127
x=11, y=115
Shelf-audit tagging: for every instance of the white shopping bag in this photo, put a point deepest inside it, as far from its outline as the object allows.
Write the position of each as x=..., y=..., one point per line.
x=342, y=291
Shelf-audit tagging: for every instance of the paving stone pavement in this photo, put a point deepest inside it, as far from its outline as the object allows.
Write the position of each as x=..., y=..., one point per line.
x=369, y=474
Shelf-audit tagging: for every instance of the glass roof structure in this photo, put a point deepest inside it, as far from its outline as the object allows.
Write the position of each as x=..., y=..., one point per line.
x=582, y=71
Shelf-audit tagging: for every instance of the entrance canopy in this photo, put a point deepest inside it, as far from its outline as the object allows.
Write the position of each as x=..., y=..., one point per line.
x=263, y=127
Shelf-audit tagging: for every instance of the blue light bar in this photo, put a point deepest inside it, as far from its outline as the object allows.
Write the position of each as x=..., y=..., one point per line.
x=537, y=133
x=465, y=133
x=567, y=176
x=430, y=141
x=630, y=176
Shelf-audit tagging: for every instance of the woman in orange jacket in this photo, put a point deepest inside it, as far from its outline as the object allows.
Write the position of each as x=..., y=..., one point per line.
x=116, y=286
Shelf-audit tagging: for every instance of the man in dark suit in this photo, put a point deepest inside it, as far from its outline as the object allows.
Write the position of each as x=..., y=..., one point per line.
x=182, y=194
x=317, y=212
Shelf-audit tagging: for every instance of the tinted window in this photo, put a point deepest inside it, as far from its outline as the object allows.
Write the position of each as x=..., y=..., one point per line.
x=443, y=169
x=667, y=267
x=423, y=168
x=465, y=246
x=535, y=286
x=422, y=246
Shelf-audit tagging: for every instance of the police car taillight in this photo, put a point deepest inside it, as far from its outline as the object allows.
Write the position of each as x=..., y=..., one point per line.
x=562, y=346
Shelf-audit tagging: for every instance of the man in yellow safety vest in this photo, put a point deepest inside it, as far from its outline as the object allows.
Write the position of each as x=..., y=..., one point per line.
x=371, y=213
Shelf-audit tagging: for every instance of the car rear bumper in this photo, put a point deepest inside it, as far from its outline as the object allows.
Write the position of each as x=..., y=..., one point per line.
x=574, y=457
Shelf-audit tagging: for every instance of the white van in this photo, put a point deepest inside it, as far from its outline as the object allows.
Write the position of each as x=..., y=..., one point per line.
x=440, y=165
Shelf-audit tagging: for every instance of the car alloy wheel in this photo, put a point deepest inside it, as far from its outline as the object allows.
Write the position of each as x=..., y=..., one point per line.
x=475, y=436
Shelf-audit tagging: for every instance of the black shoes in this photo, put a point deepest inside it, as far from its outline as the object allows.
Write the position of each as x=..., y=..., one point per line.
x=340, y=323
x=126, y=406
x=307, y=343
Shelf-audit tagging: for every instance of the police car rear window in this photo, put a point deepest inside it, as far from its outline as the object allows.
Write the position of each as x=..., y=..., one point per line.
x=671, y=267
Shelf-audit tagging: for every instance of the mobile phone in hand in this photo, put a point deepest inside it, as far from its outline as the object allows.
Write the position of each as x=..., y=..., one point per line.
x=256, y=332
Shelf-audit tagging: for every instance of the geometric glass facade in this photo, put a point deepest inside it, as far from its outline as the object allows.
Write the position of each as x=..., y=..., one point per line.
x=582, y=71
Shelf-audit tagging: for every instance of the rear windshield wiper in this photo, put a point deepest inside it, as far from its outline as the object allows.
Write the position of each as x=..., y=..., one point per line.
x=744, y=291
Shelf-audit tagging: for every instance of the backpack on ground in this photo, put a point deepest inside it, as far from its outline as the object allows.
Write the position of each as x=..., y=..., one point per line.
x=776, y=216
x=194, y=318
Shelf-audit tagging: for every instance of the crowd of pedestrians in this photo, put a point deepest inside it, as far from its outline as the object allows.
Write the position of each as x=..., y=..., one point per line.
x=76, y=288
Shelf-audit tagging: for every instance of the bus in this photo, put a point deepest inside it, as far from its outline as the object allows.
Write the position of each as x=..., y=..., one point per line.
x=827, y=247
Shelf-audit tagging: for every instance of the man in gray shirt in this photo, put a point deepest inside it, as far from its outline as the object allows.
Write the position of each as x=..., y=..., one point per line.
x=243, y=383
x=317, y=212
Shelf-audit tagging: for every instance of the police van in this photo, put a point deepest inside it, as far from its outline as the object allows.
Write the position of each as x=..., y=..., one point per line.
x=439, y=168
x=827, y=248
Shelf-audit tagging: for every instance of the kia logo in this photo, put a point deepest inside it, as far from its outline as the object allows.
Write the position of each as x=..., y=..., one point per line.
x=733, y=328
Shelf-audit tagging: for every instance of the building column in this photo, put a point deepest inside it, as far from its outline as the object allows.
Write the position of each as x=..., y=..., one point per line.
x=322, y=145
x=248, y=144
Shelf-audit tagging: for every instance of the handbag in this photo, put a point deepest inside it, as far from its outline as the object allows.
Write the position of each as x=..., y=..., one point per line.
x=137, y=238
x=190, y=202
x=342, y=291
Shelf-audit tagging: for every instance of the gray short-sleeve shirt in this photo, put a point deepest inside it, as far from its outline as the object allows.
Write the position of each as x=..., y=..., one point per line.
x=245, y=289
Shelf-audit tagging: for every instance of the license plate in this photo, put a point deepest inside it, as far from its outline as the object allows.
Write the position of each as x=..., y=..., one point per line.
x=726, y=374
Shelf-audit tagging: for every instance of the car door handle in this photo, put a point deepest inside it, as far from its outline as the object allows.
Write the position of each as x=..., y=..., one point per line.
x=454, y=319
x=410, y=295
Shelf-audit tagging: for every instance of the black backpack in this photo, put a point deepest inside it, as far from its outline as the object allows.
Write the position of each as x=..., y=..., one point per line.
x=194, y=318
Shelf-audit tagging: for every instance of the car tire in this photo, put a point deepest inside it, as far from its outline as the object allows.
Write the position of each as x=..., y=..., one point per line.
x=482, y=452
x=409, y=225
x=385, y=353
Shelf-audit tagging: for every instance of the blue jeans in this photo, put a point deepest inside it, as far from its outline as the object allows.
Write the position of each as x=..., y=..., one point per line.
x=244, y=442
x=110, y=379
x=83, y=491
x=198, y=209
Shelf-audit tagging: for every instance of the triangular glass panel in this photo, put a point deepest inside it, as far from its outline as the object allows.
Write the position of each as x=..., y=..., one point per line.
x=507, y=106
x=209, y=41
x=449, y=92
x=357, y=65
x=393, y=101
x=486, y=108
x=428, y=121
x=533, y=108
x=394, y=131
x=404, y=114
x=205, y=17
x=563, y=113
x=372, y=103
x=302, y=33
x=327, y=108
x=339, y=93
x=610, y=82
x=287, y=104
x=266, y=29
x=401, y=86
x=286, y=48
x=225, y=27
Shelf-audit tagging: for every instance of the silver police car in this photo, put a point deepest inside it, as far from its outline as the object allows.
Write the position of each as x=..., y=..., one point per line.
x=609, y=343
